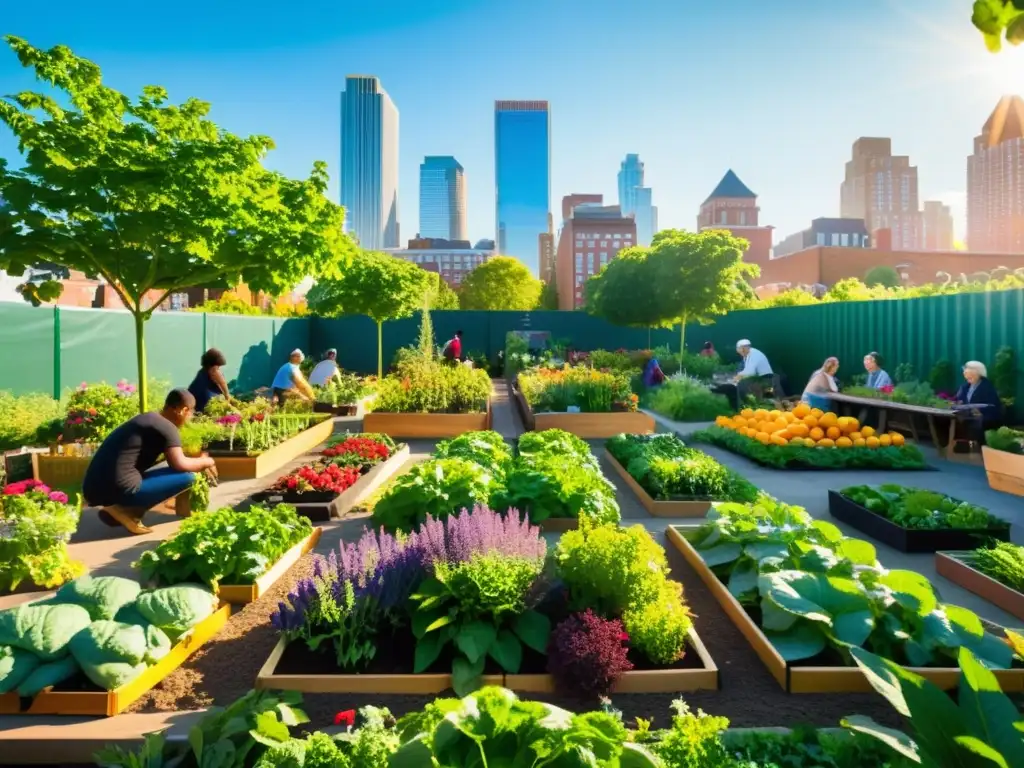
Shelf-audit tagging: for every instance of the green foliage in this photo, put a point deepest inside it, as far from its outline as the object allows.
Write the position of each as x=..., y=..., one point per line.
x=907, y=391
x=668, y=469
x=793, y=456
x=228, y=303
x=348, y=390
x=486, y=448
x=549, y=296
x=1006, y=439
x=883, y=275
x=999, y=19
x=95, y=410
x=432, y=386
x=920, y=509
x=694, y=740
x=34, y=531
x=1001, y=561
x=444, y=297
x=427, y=346
x=793, y=297
x=225, y=546
x=550, y=390
x=501, y=283
x=22, y=416
x=152, y=196
x=808, y=748
x=686, y=399
x=942, y=377
x=659, y=628
x=622, y=293
x=1004, y=373
x=437, y=487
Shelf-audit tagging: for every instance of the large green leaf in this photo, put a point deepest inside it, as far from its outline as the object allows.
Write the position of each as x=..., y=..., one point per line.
x=979, y=749
x=428, y=648
x=774, y=618
x=987, y=711
x=813, y=596
x=761, y=549
x=854, y=627
x=637, y=756
x=534, y=629
x=475, y=639
x=507, y=651
x=857, y=551
x=895, y=740
x=743, y=579
x=466, y=675
x=721, y=554
x=912, y=591
x=802, y=641
x=989, y=649
x=829, y=531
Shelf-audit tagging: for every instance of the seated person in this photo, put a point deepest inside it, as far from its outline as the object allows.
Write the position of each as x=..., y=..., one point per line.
x=326, y=370
x=708, y=350
x=877, y=378
x=755, y=373
x=821, y=384
x=121, y=478
x=289, y=380
x=209, y=382
x=977, y=389
x=653, y=375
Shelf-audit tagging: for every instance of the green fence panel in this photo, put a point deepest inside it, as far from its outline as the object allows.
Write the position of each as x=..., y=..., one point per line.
x=96, y=345
x=247, y=344
x=289, y=334
x=174, y=344
x=27, y=347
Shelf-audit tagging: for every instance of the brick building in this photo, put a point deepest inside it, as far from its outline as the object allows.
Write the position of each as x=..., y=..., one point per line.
x=936, y=226
x=995, y=183
x=881, y=188
x=733, y=207
x=592, y=235
x=452, y=259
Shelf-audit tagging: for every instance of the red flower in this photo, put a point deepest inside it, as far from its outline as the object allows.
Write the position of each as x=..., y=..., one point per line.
x=346, y=718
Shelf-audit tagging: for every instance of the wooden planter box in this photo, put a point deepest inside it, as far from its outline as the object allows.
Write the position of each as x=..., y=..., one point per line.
x=339, y=506
x=251, y=467
x=110, y=703
x=240, y=594
x=586, y=425
x=956, y=567
x=1005, y=470
x=640, y=681
x=807, y=679
x=654, y=507
x=426, y=425
x=268, y=680
x=907, y=539
x=335, y=410
x=61, y=471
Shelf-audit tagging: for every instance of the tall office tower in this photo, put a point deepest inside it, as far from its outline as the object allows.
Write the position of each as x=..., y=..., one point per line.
x=936, y=226
x=442, y=199
x=522, y=175
x=369, y=163
x=882, y=189
x=995, y=184
x=636, y=200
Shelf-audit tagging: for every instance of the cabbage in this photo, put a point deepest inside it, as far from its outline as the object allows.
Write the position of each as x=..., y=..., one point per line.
x=48, y=674
x=158, y=644
x=111, y=653
x=177, y=609
x=102, y=596
x=15, y=666
x=45, y=630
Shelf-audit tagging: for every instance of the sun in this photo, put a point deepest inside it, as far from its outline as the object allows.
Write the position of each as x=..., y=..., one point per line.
x=1006, y=69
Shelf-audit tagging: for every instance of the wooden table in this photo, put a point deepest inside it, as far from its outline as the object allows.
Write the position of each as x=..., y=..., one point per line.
x=931, y=415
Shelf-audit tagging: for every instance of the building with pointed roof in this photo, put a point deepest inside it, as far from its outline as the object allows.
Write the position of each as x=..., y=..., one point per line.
x=733, y=207
x=995, y=182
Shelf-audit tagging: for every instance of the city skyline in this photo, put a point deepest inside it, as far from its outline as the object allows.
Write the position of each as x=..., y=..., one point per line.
x=442, y=198
x=913, y=71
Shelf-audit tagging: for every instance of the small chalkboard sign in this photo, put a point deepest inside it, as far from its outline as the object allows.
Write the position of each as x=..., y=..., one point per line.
x=18, y=466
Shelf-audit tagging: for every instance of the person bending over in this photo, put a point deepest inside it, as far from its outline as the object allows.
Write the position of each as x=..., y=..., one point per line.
x=290, y=382
x=121, y=479
x=209, y=382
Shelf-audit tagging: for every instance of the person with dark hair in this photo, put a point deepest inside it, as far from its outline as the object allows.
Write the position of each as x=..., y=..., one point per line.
x=326, y=371
x=209, y=382
x=452, y=351
x=121, y=479
x=708, y=350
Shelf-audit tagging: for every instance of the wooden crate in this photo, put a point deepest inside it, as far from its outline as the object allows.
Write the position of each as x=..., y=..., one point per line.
x=655, y=507
x=251, y=467
x=1005, y=471
x=955, y=567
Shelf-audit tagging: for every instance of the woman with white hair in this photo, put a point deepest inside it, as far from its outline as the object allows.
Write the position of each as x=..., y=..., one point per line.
x=290, y=381
x=978, y=390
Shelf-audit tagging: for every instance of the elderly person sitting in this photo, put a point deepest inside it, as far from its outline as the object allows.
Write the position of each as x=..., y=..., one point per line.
x=821, y=384
x=755, y=374
x=877, y=378
x=978, y=390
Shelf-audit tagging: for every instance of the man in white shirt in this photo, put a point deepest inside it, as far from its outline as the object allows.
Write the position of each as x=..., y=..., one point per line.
x=755, y=363
x=326, y=370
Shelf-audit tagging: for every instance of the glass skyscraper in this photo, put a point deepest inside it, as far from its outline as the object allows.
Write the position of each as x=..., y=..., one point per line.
x=369, y=163
x=635, y=199
x=522, y=175
x=443, y=199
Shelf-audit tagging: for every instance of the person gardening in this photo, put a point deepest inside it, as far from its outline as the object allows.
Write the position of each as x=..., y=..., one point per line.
x=209, y=381
x=289, y=380
x=121, y=479
x=452, y=350
x=326, y=370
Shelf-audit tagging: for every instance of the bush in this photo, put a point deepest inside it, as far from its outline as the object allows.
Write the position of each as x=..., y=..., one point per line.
x=425, y=386
x=587, y=654
x=687, y=399
x=555, y=390
x=943, y=377
x=1005, y=439
x=658, y=629
x=96, y=410
x=35, y=525
x=22, y=416
x=438, y=487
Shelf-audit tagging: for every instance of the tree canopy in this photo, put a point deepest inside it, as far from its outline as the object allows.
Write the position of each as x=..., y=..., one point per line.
x=998, y=20
x=444, y=297
x=549, y=295
x=151, y=196
x=377, y=285
x=623, y=293
x=884, y=275
x=501, y=283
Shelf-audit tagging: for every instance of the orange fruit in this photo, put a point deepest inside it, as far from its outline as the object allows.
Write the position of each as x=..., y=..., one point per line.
x=788, y=417
x=778, y=439
x=897, y=439
x=780, y=425
x=817, y=413
x=747, y=413
x=801, y=410
x=867, y=431
x=885, y=441
x=859, y=442
x=775, y=414
x=855, y=436
x=739, y=421
x=826, y=443
x=799, y=429
x=828, y=420
x=762, y=437
x=810, y=421
x=844, y=424
x=833, y=433
x=844, y=442
x=761, y=414
x=817, y=434
x=872, y=442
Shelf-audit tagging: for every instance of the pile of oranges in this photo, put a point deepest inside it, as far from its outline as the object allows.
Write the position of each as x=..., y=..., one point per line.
x=806, y=426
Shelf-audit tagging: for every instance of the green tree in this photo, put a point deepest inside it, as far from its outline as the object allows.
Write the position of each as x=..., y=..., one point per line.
x=883, y=275
x=151, y=196
x=623, y=292
x=377, y=285
x=697, y=276
x=501, y=283
x=228, y=304
x=998, y=19
x=444, y=297
x=549, y=296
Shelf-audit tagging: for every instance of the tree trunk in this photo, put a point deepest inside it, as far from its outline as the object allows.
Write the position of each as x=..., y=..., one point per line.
x=682, y=339
x=140, y=353
x=380, y=349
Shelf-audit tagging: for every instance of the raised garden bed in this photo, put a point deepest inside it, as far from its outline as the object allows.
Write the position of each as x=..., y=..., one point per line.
x=323, y=507
x=426, y=425
x=804, y=677
x=957, y=567
x=1005, y=470
x=80, y=698
x=335, y=410
x=655, y=507
x=241, y=594
x=59, y=471
x=236, y=465
x=908, y=539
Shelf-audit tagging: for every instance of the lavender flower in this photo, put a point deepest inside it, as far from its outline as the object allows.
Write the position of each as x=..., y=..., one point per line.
x=457, y=538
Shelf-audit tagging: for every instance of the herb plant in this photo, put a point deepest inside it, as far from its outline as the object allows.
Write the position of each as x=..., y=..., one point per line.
x=225, y=546
x=921, y=509
x=1001, y=561
x=435, y=488
x=687, y=399
x=555, y=390
x=486, y=448
x=587, y=654
x=36, y=524
x=1006, y=439
x=22, y=417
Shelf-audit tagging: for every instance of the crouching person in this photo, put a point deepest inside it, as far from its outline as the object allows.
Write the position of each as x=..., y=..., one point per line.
x=121, y=479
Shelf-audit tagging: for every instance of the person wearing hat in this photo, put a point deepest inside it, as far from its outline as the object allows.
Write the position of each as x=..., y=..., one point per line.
x=290, y=381
x=756, y=370
x=326, y=370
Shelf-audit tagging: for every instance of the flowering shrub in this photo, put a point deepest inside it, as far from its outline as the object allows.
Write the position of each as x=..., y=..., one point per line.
x=96, y=410
x=318, y=478
x=587, y=654
x=357, y=452
x=35, y=526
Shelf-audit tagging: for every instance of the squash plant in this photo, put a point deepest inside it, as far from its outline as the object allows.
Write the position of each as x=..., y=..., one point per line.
x=816, y=589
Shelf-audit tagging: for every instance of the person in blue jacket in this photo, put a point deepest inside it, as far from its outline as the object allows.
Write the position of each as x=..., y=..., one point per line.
x=978, y=390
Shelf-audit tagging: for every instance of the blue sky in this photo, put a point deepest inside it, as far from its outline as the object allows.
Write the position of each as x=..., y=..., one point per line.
x=777, y=90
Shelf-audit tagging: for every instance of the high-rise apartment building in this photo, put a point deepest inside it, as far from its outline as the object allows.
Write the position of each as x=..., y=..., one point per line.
x=443, y=198
x=936, y=226
x=522, y=175
x=547, y=253
x=636, y=200
x=452, y=260
x=733, y=207
x=369, y=163
x=882, y=189
x=995, y=182
x=592, y=235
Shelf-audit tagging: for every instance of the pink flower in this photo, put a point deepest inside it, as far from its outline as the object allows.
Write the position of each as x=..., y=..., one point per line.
x=347, y=717
x=624, y=637
x=83, y=386
x=61, y=498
